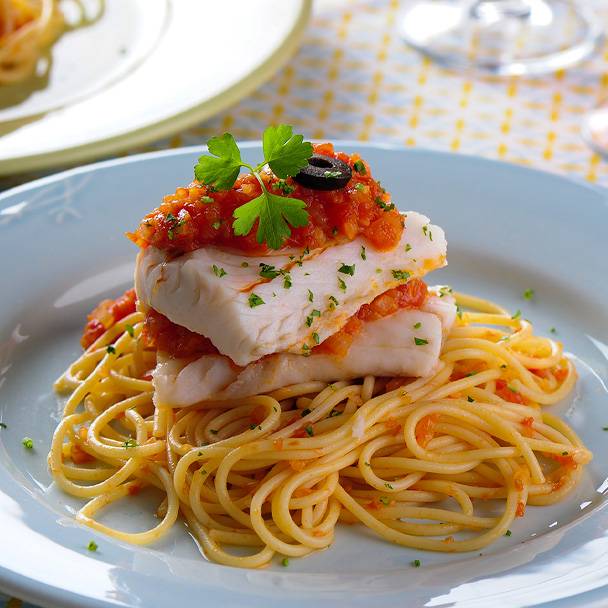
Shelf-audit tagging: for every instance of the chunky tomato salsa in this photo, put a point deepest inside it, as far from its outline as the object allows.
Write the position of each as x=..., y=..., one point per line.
x=197, y=216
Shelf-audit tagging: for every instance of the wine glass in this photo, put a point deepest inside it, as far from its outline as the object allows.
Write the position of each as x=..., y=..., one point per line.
x=501, y=37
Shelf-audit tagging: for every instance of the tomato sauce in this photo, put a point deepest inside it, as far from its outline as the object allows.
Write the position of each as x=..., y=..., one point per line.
x=106, y=314
x=196, y=216
x=411, y=295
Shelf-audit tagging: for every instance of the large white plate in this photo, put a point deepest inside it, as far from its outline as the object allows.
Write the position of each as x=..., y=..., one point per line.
x=62, y=249
x=144, y=70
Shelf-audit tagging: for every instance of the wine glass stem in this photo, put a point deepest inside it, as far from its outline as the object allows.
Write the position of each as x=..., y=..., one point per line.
x=494, y=10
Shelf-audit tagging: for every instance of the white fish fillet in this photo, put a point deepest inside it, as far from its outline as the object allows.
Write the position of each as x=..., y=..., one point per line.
x=385, y=347
x=189, y=293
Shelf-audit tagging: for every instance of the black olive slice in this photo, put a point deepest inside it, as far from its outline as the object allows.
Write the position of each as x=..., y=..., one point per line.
x=324, y=173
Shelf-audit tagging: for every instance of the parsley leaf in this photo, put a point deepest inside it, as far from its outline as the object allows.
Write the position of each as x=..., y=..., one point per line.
x=285, y=152
x=268, y=272
x=347, y=269
x=255, y=300
x=274, y=213
x=218, y=272
x=400, y=275
x=222, y=169
x=420, y=341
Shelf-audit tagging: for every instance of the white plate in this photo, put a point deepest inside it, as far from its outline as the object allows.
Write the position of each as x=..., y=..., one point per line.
x=143, y=70
x=62, y=249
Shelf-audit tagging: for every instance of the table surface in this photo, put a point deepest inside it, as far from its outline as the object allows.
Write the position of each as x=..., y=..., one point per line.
x=353, y=78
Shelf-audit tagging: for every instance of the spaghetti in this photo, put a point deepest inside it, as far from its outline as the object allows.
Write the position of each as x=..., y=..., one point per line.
x=27, y=29
x=276, y=473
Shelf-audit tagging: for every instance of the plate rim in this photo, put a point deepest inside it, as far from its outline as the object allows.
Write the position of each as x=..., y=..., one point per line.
x=54, y=596
x=171, y=124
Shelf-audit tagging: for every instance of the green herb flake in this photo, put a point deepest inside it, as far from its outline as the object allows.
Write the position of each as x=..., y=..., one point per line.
x=27, y=443
x=311, y=296
x=400, y=275
x=244, y=264
x=218, y=272
x=316, y=338
x=359, y=167
x=332, y=173
x=517, y=314
x=216, y=225
x=416, y=563
x=110, y=350
x=347, y=269
x=362, y=253
x=287, y=281
x=268, y=272
x=305, y=412
x=333, y=302
x=420, y=341
x=130, y=329
x=408, y=247
x=341, y=284
x=508, y=533
x=417, y=325
x=388, y=485
x=309, y=431
x=552, y=330
x=528, y=294
x=359, y=186
x=213, y=431
x=206, y=199
x=255, y=300
x=92, y=546
x=130, y=443
x=564, y=453
x=384, y=500
x=283, y=186
x=384, y=205
x=285, y=562
x=3, y=426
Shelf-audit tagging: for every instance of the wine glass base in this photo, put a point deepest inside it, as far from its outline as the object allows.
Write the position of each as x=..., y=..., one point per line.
x=595, y=130
x=552, y=35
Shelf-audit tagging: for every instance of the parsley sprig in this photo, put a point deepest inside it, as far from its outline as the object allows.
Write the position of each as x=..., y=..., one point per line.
x=286, y=154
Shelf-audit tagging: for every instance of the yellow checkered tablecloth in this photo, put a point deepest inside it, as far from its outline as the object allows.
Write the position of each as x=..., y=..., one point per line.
x=353, y=78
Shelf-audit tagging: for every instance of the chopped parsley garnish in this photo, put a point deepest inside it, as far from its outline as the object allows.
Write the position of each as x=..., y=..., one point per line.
x=359, y=167
x=508, y=533
x=27, y=443
x=335, y=412
x=285, y=562
x=378, y=270
x=206, y=199
x=311, y=296
x=316, y=338
x=416, y=563
x=334, y=231
x=470, y=399
x=553, y=330
x=130, y=443
x=445, y=291
x=605, y=428
x=216, y=225
x=332, y=174
x=218, y=272
x=564, y=453
x=213, y=431
x=408, y=247
x=244, y=264
x=306, y=350
x=384, y=500
x=347, y=269
x=362, y=253
x=268, y=272
x=512, y=388
x=3, y=426
x=400, y=275
x=305, y=412
x=341, y=284
x=384, y=206
x=129, y=329
x=458, y=311
x=309, y=431
x=388, y=485
x=417, y=325
x=359, y=186
x=333, y=302
x=528, y=294
x=420, y=341
x=287, y=281
x=283, y=186
x=517, y=314
x=92, y=546
x=110, y=350
x=255, y=300
x=286, y=154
